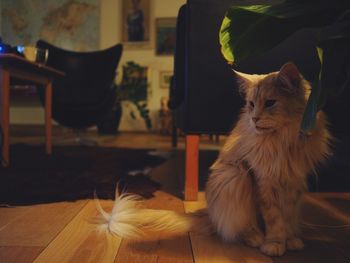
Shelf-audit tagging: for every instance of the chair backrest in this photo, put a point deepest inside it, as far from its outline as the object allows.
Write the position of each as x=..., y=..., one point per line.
x=87, y=89
x=206, y=100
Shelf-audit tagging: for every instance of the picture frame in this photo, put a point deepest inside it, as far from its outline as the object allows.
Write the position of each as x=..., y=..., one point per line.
x=136, y=24
x=165, y=39
x=165, y=79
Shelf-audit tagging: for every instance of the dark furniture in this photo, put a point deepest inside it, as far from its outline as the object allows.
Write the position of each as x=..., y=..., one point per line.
x=14, y=69
x=86, y=93
x=204, y=95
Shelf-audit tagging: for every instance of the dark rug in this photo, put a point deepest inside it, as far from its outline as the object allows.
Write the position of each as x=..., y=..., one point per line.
x=74, y=172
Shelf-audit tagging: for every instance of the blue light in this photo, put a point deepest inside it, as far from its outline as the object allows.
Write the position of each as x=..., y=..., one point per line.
x=1, y=49
x=20, y=49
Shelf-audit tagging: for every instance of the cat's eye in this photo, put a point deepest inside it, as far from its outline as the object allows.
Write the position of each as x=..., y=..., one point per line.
x=251, y=104
x=269, y=103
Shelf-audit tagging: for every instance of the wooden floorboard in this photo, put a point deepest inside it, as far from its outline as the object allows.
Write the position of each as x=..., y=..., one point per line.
x=19, y=254
x=165, y=251
x=9, y=214
x=325, y=227
x=39, y=225
x=80, y=240
x=209, y=248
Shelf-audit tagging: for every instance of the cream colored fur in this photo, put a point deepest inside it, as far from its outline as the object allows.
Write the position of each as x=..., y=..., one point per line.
x=130, y=220
x=261, y=171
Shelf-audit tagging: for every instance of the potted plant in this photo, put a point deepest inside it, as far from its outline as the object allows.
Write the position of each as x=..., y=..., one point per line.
x=133, y=88
x=268, y=25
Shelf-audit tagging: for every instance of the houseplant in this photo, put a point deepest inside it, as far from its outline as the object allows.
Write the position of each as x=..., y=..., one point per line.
x=245, y=26
x=133, y=88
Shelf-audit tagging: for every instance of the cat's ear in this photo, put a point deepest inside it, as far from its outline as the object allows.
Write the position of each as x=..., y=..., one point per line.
x=244, y=81
x=289, y=76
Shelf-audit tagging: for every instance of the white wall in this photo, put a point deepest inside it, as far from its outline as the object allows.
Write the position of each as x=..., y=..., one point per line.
x=110, y=34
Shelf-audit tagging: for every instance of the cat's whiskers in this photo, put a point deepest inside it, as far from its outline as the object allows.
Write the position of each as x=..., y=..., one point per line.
x=264, y=129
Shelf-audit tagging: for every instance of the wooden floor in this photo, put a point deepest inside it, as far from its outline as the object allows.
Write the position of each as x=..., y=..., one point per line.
x=63, y=232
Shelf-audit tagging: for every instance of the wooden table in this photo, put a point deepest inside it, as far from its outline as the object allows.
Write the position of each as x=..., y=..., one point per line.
x=16, y=68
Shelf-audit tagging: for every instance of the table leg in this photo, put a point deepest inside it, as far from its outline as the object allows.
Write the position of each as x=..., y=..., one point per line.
x=5, y=114
x=192, y=167
x=48, y=114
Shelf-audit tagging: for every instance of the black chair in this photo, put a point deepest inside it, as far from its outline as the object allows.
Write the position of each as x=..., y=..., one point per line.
x=203, y=97
x=86, y=93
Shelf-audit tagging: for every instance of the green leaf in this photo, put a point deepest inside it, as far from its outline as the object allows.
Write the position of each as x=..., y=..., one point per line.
x=133, y=87
x=335, y=69
x=250, y=31
x=225, y=40
x=309, y=119
x=322, y=97
x=320, y=54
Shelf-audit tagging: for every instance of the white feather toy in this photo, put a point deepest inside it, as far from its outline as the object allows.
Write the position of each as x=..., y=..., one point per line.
x=128, y=219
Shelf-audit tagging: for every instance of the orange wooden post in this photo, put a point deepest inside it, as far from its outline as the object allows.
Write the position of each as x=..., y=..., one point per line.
x=5, y=113
x=48, y=113
x=192, y=169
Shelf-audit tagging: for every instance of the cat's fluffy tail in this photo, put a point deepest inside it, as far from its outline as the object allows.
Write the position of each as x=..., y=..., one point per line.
x=129, y=220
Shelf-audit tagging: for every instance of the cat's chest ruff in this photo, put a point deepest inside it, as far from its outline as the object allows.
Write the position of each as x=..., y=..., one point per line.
x=273, y=156
x=271, y=148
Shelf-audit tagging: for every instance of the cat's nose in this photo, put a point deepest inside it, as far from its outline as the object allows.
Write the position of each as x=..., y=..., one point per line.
x=255, y=119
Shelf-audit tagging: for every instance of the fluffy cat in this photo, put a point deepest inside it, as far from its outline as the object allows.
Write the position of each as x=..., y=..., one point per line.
x=261, y=171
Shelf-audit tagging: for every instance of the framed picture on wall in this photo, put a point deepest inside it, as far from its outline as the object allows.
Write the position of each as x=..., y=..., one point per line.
x=165, y=79
x=165, y=36
x=136, y=23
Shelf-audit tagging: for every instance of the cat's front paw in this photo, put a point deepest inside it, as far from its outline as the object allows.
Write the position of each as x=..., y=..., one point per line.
x=253, y=237
x=295, y=244
x=273, y=248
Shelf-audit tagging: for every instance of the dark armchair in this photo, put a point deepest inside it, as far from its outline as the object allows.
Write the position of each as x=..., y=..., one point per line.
x=203, y=96
x=86, y=93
